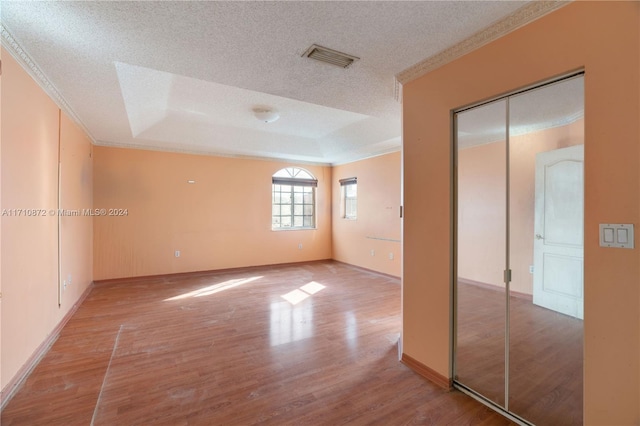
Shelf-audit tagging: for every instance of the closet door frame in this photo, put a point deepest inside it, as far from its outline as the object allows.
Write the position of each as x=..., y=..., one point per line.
x=504, y=410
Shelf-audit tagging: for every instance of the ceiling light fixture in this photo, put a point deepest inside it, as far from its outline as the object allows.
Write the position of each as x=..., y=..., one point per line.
x=266, y=114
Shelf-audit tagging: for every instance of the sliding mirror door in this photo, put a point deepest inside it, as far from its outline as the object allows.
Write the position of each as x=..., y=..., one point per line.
x=518, y=274
x=481, y=236
x=546, y=137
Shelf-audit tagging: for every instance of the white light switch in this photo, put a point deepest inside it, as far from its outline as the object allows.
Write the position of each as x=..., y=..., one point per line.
x=608, y=235
x=622, y=236
x=618, y=235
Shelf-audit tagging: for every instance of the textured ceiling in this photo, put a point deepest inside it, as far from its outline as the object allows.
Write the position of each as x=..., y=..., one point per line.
x=554, y=105
x=185, y=76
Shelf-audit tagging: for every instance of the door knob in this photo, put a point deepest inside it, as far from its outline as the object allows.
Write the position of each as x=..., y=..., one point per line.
x=539, y=237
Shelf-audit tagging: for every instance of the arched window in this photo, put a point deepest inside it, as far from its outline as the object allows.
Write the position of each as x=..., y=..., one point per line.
x=293, y=199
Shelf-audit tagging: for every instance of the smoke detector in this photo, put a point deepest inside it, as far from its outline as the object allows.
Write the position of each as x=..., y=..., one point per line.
x=329, y=56
x=265, y=114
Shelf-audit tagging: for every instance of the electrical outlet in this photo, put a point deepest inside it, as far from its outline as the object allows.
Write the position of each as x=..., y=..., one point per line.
x=373, y=252
x=300, y=246
x=531, y=269
x=177, y=253
x=390, y=256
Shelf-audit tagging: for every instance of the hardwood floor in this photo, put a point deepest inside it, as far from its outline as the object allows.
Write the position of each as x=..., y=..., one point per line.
x=545, y=357
x=228, y=348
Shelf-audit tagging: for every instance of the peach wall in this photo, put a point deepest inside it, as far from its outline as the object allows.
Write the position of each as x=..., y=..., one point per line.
x=76, y=193
x=377, y=226
x=482, y=213
x=603, y=39
x=221, y=221
x=481, y=187
x=31, y=132
x=29, y=244
x=1, y=55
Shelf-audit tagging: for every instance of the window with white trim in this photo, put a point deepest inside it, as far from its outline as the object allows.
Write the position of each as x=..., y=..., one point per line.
x=293, y=201
x=349, y=198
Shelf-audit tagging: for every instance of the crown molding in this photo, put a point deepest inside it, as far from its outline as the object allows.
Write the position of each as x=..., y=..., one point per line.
x=207, y=153
x=367, y=157
x=22, y=57
x=517, y=19
x=397, y=90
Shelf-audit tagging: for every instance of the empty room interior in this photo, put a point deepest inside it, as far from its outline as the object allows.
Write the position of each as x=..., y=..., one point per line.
x=328, y=212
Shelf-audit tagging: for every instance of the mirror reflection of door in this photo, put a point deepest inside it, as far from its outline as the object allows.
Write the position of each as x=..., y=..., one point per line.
x=546, y=140
x=519, y=266
x=558, y=242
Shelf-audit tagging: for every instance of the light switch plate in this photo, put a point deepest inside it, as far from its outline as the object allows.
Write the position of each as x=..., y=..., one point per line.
x=618, y=235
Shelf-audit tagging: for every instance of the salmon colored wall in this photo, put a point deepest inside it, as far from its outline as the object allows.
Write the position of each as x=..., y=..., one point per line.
x=1, y=55
x=30, y=135
x=602, y=38
x=221, y=221
x=481, y=188
x=76, y=194
x=482, y=213
x=377, y=226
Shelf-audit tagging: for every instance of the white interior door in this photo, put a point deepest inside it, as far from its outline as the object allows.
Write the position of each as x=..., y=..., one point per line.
x=558, y=243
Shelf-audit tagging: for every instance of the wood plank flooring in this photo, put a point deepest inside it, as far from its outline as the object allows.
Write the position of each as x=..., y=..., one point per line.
x=545, y=357
x=227, y=348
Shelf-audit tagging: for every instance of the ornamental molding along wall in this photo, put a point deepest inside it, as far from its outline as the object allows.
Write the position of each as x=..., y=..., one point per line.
x=518, y=19
x=23, y=58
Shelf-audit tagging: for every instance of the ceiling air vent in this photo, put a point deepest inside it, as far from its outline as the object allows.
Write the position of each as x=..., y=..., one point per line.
x=329, y=56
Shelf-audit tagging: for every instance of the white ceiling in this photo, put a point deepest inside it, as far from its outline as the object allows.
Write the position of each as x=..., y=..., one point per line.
x=553, y=105
x=185, y=76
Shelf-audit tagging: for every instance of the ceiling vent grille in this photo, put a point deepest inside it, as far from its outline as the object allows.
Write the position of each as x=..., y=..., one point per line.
x=329, y=56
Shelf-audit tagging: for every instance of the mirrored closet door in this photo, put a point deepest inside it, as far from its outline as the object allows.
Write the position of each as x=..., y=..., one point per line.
x=518, y=240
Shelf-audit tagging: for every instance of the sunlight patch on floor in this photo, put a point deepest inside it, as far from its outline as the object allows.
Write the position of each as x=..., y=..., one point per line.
x=298, y=295
x=213, y=289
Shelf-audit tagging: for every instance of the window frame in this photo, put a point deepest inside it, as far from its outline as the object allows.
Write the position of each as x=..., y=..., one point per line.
x=297, y=185
x=344, y=198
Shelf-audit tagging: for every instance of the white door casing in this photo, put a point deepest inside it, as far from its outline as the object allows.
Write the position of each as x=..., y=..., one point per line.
x=559, y=231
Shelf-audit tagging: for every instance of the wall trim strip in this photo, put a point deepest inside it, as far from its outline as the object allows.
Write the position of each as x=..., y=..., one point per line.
x=371, y=271
x=178, y=275
x=518, y=294
x=14, y=384
x=426, y=372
